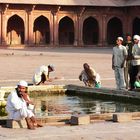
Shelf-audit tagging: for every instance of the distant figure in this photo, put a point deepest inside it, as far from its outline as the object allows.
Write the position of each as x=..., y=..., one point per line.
x=19, y=106
x=118, y=63
x=42, y=74
x=128, y=68
x=90, y=77
x=136, y=59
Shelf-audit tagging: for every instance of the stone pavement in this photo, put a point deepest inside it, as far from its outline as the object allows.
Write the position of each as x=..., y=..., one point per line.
x=17, y=64
x=94, y=131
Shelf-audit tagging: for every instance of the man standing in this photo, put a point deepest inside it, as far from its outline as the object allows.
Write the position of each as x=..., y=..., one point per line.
x=118, y=63
x=42, y=74
x=136, y=59
x=128, y=68
x=18, y=103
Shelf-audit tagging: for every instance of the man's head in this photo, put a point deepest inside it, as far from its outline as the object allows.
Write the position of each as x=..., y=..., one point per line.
x=128, y=37
x=86, y=66
x=51, y=68
x=22, y=87
x=119, y=40
x=136, y=39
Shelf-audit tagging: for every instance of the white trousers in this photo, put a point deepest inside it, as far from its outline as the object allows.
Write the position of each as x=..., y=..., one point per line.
x=119, y=77
x=21, y=114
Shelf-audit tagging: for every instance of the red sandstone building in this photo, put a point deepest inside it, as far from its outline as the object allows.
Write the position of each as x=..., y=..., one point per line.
x=67, y=22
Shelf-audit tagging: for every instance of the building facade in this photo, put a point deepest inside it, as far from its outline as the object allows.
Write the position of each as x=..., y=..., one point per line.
x=63, y=25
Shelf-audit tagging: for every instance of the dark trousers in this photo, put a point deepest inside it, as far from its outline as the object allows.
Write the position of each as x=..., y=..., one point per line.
x=43, y=79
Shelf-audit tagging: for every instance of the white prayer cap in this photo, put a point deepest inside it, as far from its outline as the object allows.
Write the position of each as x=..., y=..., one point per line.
x=136, y=37
x=51, y=66
x=22, y=83
x=120, y=38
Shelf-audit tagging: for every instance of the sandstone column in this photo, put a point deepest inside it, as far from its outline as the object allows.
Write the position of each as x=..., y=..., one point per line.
x=4, y=30
x=104, y=31
x=0, y=27
x=56, y=32
x=51, y=29
x=100, y=37
x=30, y=28
x=80, y=31
x=76, y=29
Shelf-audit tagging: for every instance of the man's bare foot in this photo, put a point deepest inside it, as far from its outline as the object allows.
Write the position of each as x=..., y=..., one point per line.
x=31, y=127
x=38, y=125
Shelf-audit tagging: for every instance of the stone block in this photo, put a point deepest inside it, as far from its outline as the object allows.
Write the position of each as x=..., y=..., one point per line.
x=80, y=119
x=16, y=124
x=122, y=117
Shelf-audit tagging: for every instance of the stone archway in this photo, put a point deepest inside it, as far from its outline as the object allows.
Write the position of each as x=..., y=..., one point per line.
x=136, y=26
x=66, y=31
x=114, y=29
x=90, y=31
x=15, y=30
x=41, y=30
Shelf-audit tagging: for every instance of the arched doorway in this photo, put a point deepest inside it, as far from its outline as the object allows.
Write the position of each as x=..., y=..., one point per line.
x=66, y=31
x=15, y=30
x=114, y=29
x=136, y=26
x=41, y=30
x=90, y=31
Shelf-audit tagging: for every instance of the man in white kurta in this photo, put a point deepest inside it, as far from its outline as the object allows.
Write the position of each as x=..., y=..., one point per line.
x=18, y=103
x=17, y=107
x=42, y=74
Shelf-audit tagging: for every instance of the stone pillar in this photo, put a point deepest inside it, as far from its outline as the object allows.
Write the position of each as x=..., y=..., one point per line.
x=0, y=27
x=3, y=26
x=104, y=31
x=100, y=41
x=26, y=29
x=76, y=29
x=52, y=30
x=56, y=32
x=80, y=22
x=125, y=26
x=30, y=28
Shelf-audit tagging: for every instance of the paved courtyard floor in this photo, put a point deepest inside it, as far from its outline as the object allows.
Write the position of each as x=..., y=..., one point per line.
x=17, y=64
x=95, y=131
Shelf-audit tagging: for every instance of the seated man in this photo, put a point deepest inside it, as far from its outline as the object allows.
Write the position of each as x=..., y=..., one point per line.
x=42, y=74
x=90, y=77
x=18, y=103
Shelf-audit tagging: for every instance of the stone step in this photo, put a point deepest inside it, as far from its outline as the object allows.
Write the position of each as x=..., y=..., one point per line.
x=80, y=119
x=16, y=124
x=122, y=117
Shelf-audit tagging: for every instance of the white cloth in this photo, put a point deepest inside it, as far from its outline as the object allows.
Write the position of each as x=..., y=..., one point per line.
x=84, y=77
x=17, y=107
x=119, y=53
x=37, y=76
x=136, y=54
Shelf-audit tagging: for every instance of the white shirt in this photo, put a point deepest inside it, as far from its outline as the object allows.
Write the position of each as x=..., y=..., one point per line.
x=119, y=53
x=136, y=54
x=37, y=76
x=14, y=105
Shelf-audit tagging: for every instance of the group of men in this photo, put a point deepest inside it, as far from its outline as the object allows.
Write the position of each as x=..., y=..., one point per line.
x=126, y=63
x=19, y=106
